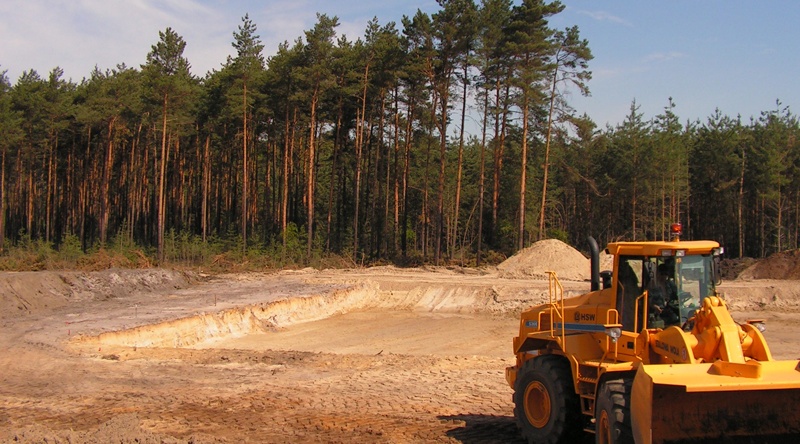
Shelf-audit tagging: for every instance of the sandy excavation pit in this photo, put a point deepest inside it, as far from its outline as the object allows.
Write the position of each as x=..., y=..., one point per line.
x=378, y=355
x=416, y=318
x=425, y=320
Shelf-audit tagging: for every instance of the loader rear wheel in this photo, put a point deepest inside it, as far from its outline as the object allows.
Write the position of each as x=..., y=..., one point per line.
x=545, y=403
x=613, y=414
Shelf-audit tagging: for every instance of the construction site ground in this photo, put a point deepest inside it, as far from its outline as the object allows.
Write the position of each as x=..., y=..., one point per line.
x=366, y=355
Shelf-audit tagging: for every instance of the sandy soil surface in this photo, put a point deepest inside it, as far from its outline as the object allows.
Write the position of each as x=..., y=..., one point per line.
x=371, y=355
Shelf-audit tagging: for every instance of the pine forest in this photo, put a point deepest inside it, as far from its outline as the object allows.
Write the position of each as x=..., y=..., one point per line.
x=445, y=139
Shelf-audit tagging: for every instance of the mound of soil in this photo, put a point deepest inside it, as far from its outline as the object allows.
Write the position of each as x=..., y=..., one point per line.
x=732, y=268
x=547, y=255
x=783, y=265
x=24, y=293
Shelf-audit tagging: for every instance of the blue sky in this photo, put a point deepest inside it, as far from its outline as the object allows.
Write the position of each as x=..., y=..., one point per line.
x=738, y=56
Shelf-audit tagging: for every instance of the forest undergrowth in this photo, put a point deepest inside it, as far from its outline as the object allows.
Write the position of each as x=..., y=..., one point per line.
x=218, y=254
x=182, y=250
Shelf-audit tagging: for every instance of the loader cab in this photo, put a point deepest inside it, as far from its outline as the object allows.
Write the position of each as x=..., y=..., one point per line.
x=662, y=284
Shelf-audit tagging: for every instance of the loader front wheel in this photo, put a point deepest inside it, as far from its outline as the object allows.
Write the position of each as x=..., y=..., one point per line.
x=613, y=415
x=545, y=403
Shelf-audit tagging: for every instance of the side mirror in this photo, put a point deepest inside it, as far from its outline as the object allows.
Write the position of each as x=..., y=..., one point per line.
x=717, y=269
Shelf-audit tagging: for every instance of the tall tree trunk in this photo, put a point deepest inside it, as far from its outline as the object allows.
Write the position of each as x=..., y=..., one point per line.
x=50, y=189
x=547, y=155
x=245, y=177
x=406, y=177
x=371, y=166
x=31, y=196
x=269, y=188
x=796, y=217
x=482, y=178
x=105, y=183
x=83, y=192
x=382, y=231
x=780, y=220
x=334, y=172
x=206, y=189
x=394, y=235
x=425, y=183
x=501, y=124
x=287, y=154
x=763, y=224
x=444, y=99
x=523, y=179
x=357, y=182
x=360, y=119
x=162, y=178
x=312, y=145
x=460, y=167
x=68, y=196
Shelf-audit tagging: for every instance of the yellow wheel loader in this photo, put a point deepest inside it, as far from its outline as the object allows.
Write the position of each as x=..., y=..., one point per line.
x=650, y=355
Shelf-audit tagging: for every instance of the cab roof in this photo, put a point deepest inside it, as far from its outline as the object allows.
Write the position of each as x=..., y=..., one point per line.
x=655, y=248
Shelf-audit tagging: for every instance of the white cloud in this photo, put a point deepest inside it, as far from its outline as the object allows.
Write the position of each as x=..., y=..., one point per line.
x=78, y=35
x=603, y=16
x=660, y=57
x=82, y=34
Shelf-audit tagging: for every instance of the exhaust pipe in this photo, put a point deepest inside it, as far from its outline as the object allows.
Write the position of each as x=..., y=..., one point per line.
x=595, y=261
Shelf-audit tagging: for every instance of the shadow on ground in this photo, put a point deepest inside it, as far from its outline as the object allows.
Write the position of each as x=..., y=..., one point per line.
x=485, y=429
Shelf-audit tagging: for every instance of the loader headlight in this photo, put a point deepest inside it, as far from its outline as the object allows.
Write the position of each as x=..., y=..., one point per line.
x=758, y=324
x=669, y=253
x=614, y=331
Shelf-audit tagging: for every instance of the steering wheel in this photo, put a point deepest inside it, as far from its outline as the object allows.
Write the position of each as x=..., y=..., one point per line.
x=689, y=324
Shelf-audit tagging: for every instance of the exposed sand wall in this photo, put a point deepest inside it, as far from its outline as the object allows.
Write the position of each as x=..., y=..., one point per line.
x=365, y=295
x=238, y=321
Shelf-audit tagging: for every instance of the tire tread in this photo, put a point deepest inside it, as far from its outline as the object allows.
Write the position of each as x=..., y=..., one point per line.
x=567, y=427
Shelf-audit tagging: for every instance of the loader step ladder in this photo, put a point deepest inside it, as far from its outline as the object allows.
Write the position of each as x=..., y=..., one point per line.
x=588, y=376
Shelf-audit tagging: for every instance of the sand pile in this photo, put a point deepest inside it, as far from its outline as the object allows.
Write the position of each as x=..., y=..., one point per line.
x=544, y=256
x=783, y=265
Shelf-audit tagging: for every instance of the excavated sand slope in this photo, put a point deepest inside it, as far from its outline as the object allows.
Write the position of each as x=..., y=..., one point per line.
x=363, y=296
x=398, y=290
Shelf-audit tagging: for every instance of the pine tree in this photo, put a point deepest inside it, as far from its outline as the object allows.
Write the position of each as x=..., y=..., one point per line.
x=529, y=42
x=248, y=67
x=167, y=82
x=10, y=125
x=569, y=65
x=316, y=78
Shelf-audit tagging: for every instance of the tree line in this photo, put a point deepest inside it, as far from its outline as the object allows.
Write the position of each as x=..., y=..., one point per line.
x=359, y=148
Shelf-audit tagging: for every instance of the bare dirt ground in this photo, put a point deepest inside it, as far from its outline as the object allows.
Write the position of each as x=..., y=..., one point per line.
x=370, y=355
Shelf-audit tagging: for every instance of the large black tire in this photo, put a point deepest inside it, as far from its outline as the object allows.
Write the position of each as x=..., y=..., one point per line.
x=612, y=412
x=545, y=403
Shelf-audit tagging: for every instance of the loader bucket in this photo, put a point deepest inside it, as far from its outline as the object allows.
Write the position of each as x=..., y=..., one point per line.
x=720, y=402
